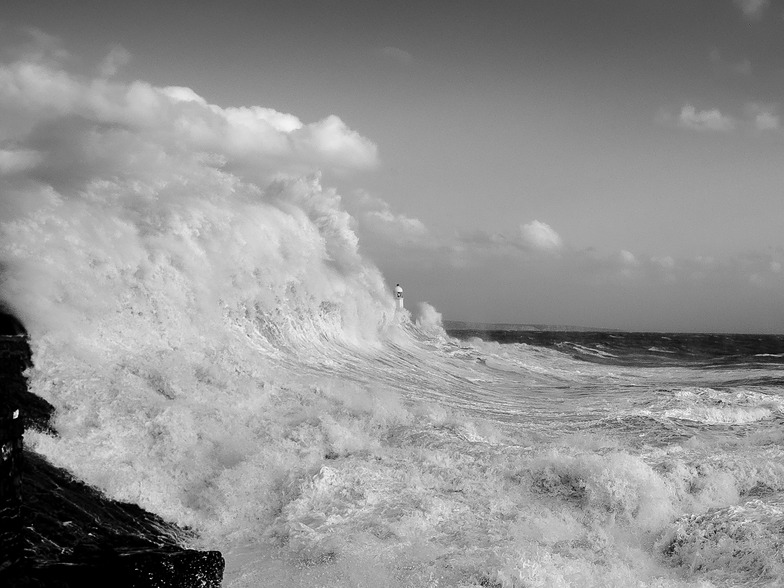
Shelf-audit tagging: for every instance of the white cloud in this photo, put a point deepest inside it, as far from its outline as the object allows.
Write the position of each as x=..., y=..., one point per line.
x=17, y=161
x=117, y=58
x=767, y=121
x=377, y=221
x=753, y=9
x=754, y=115
x=628, y=258
x=182, y=94
x=259, y=118
x=666, y=262
x=764, y=116
x=41, y=45
x=704, y=120
x=262, y=140
x=541, y=236
x=398, y=55
x=331, y=141
x=398, y=227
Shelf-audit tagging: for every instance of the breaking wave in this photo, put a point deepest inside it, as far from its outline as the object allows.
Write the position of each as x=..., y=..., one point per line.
x=218, y=351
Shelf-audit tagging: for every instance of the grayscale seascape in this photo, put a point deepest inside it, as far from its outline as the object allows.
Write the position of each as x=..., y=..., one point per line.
x=578, y=382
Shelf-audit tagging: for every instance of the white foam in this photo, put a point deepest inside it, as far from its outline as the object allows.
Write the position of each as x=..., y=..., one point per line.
x=218, y=351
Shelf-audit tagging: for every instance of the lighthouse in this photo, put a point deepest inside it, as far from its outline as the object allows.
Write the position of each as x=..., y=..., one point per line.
x=399, y=296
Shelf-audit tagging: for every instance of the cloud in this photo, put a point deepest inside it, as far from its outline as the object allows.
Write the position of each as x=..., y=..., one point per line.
x=106, y=184
x=754, y=116
x=252, y=118
x=17, y=161
x=764, y=116
x=766, y=121
x=628, y=258
x=625, y=288
x=535, y=236
x=541, y=236
x=666, y=262
x=331, y=141
x=398, y=228
x=261, y=141
x=117, y=58
x=377, y=222
x=39, y=45
x=704, y=120
x=398, y=55
x=478, y=250
x=752, y=9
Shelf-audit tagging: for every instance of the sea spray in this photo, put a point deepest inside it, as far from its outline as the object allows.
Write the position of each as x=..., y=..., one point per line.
x=218, y=351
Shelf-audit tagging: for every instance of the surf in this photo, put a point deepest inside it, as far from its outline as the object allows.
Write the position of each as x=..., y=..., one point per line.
x=218, y=350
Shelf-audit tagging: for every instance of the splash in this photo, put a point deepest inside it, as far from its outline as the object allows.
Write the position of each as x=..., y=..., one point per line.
x=170, y=258
x=428, y=318
x=218, y=351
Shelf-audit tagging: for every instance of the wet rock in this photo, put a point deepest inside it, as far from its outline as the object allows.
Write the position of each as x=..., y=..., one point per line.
x=56, y=531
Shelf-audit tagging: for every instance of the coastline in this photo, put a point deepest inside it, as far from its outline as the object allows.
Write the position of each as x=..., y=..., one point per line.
x=475, y=326
x=58, y=531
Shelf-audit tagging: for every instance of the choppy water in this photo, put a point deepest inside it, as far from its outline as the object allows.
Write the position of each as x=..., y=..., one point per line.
x=218, y=351
x=424, y=460
x=241, y=370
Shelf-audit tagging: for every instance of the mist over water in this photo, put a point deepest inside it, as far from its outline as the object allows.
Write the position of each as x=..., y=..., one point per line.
x=218, y=351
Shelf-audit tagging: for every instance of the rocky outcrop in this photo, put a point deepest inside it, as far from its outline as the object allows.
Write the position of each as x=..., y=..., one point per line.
x=56, y=531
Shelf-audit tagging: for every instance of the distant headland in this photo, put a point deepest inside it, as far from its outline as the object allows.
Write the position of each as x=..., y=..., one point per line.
x=468, y=326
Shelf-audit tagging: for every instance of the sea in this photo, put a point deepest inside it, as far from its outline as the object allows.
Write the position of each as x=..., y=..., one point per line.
x=226, y=358
x=430, y=458
x=220, y=349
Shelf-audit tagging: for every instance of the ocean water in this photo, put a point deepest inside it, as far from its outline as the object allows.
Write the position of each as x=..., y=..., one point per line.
x=542, y=459
x=220, y=351
x=226, y=358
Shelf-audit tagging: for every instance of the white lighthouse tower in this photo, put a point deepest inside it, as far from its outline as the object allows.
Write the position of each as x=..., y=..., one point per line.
x=399, y=297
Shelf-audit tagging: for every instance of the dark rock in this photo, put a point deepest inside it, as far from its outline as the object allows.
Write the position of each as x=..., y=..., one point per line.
x=183, y=568
x=56, y=531
x=10, y=325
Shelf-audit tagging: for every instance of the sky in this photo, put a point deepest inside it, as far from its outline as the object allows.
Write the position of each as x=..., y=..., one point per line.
x=603, y=163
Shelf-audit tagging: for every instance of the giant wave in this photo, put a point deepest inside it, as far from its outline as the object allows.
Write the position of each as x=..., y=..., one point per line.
x=218, y=351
